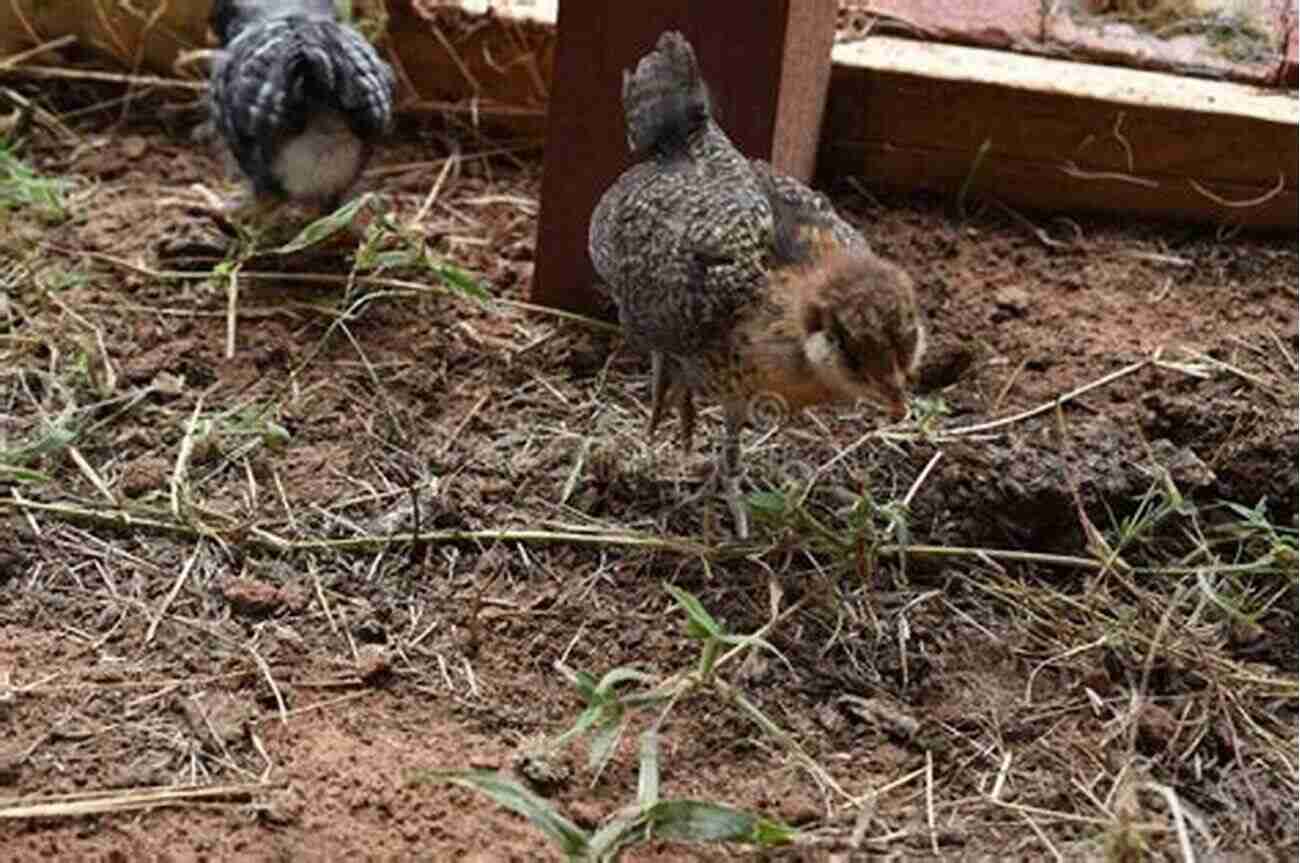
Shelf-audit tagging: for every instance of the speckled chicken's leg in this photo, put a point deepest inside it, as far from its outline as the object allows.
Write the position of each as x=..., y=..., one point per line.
x=249, y=207
x=668, y=390
x=729, y=466
x=241, y=208
x=659, y=386
x=724, y=479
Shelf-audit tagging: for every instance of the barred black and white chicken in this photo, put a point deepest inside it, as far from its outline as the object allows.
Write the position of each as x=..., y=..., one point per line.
x=744, y=285
x=299, y=98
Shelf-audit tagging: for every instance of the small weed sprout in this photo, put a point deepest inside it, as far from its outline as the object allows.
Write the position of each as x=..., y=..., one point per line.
x=606, y=717
x=21, y=188
x=927, y=412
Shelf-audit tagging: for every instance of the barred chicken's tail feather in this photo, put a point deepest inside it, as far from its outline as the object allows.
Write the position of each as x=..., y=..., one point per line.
x=299, y=98
x=337, y=68
x=665, y=100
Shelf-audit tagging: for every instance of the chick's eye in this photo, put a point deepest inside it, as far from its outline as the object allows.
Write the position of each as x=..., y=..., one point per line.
x=839, y=335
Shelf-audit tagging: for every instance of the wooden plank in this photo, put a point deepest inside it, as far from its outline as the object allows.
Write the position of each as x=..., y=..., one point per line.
x=489, y=69
x=1062, y=136
x=768, y=68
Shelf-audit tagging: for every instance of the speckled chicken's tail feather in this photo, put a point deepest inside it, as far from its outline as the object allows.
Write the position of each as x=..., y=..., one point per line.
x=664, y=100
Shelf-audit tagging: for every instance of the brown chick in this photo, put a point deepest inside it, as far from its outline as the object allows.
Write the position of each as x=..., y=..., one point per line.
x=743, y=285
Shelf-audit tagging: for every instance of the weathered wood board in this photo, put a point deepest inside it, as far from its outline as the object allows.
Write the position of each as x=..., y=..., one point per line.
x=1059, y=136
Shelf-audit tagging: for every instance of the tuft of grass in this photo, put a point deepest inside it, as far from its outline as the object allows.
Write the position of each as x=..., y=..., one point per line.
x=647, y=819
x=21, y=188
x=1169, y=533
x=371, y=19
x=606, y=717
x=49, y=434
x=390, y=245
x=1232, y=33
x=384, y=245
x=980, y=155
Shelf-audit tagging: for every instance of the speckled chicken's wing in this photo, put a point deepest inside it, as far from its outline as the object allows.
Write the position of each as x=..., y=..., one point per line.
x=682, y=244
x=681, y=239
x=807, y=226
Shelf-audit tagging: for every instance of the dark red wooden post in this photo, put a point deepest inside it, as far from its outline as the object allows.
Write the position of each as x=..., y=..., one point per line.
x=768, y=66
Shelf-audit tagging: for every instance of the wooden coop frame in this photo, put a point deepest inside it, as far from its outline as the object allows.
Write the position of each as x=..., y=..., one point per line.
x=1034, y=132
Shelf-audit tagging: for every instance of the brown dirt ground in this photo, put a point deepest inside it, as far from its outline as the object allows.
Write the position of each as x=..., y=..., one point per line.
x=136, y=656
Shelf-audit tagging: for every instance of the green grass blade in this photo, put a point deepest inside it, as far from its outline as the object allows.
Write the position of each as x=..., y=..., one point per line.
x=511, y=795
x=54, y=439
x=18, y=474
x=701, y=624
x=647, y=781
x=22, y=188
x=622, y=674
x=756, y=641
x=624, y=829
x=584, y=682
x=771, y=503
x=461, y=282
x=325, y=226
x=703, y=821
x=604, y=742
x=586, y=720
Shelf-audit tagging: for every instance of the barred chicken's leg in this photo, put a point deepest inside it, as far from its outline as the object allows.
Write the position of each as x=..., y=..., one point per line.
x=725, y=479
x=659, y=386
x=686, y=420
x=243, y=208
x=667, y=390
x=729, y=467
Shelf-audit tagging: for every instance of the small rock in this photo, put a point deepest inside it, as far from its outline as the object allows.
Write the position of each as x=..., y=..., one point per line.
x=217, y=714
x=586, y=814
x=1012, y=299
x=284, y=807
x=798, y=813
x=370, y=631
x=250, y=596
x=1185, y=467
x=1244, y=634
x=169, y=384
x=295, y=599
x=892, y=720
x=830, y=718
x=134, y=146
x=144, y=475
x=373, y=664
x=542, y=767
x=1156, y=727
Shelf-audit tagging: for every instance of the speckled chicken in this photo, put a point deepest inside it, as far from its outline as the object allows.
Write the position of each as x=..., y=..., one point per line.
x=743, y=285
x=300, y=99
